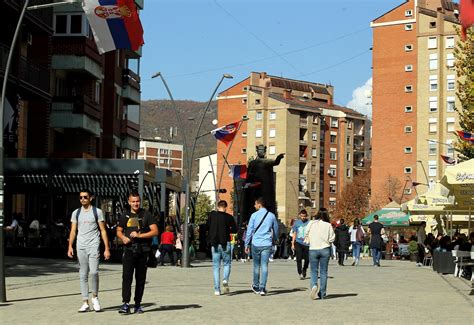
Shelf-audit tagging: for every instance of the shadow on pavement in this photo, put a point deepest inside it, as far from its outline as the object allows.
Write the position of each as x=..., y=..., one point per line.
x=57, y=296
x=270, y=293
x=161, y=308
x=4, y=305
x=340, y=295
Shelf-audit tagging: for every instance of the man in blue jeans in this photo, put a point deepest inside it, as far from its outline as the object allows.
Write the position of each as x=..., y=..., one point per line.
x=260, y=231
x=220, y=226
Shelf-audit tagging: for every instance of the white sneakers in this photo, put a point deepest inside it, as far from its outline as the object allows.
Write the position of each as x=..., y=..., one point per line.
x=84, y=308
x=95, y=303
x=314, y=292
x=217, y=293
x=225, y=284
x=95, y=306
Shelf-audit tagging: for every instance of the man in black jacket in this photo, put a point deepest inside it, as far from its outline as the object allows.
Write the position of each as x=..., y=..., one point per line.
x=220, y=225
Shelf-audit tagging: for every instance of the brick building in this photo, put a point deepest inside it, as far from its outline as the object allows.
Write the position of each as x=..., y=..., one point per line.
x=413, y=96
x=162, y=153
x=324, y=144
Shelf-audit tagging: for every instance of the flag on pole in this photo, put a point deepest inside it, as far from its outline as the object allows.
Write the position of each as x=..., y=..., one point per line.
x=466, y=136
x=238, y=171
x=413, y=184
x=226, y=133
x=115, y=24
x=466, y=8
x=448, y=160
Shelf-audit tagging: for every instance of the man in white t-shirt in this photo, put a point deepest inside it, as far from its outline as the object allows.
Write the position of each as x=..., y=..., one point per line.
x=89, y=223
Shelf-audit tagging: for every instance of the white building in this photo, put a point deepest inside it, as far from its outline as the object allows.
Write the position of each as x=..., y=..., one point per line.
x=207, y=176
x=162, y=153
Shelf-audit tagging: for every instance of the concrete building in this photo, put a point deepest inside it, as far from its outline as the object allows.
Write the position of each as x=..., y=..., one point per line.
x=413, y=95
x=324, y=144
x=162, y=153
x=206, y=179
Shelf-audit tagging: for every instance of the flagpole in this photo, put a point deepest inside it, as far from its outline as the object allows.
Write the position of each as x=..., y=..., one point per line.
x=228, y=150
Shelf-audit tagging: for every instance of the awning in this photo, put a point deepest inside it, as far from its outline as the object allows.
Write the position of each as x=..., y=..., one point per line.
x=459, y=179
x=389, y=217
x=434, y=201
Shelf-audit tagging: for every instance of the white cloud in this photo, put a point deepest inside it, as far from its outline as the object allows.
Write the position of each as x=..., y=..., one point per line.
x=362, y=99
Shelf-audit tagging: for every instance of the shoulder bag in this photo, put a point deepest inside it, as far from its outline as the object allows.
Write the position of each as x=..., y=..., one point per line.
x=250, y=241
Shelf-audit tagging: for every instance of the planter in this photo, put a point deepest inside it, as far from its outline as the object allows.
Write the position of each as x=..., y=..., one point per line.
x=413, y=257
x=388, y=256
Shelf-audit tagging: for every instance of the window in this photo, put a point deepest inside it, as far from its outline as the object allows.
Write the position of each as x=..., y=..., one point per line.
x=257, y=102
x=450, y=104
x=243, y=150
x=450, y=149
x=332, y=138
x=314, y=153
x=348, y=172
x=432, y=24
x=244, y=100
x=313, y=187
x=408, y=13
x=333, y=155
x=449, y=42
x=432, y=148
x=245, y=88
x=348, y=156
x=432, y=168
x=163, y=151
x=272, y=115
x=258, y=115
x=271, y=150
x=451, y=82
x=433, y=83
x=450, y=60
x=408, y=27
x=97, y=92
x=408, y=150
x=272, y=133
x=332, y=203
x=432, y=125
x=348, y=140
x=408, y=68
x=313, y=169
x=433, y=104
x=408, y=88
x=258, y=133
x=334, y=122
x=244, y=134
x=450, y=124
x=407, y=170
x=349, y=125
x=408, y=47
x=314, y=136
x=332, y=172
x=315, y=119
x=332, y=188
x=70, y=25
x=433, y=61
x=432, y=42
x=407, y=191
x=408, y=109
x=408, y=129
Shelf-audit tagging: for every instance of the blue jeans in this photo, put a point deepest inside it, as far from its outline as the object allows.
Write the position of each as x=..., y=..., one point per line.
x=260, y=257
x=218, y=253
x=356, y=246
x=376, y=255
x=319, y=261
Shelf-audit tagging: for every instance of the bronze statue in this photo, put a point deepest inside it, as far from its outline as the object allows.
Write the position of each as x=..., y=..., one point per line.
x=260, y=182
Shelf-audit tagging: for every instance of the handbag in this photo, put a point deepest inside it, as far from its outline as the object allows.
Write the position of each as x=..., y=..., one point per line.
x=306, y=235
x=250, y=241
x=179, y=244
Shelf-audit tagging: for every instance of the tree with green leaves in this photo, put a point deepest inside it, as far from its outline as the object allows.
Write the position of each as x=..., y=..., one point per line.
x=203, y=207
x=464, y=55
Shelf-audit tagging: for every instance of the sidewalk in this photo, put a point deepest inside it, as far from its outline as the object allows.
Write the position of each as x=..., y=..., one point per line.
x=44, y=291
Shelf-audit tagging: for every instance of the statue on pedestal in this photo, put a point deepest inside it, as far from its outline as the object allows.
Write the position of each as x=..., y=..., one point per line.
x=260, y=182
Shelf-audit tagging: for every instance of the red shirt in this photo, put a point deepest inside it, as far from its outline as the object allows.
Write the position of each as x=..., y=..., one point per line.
x=167, y=238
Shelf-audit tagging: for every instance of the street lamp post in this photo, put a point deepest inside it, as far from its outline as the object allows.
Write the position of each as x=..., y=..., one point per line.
x=3, y=296
x=185, y=262
x=450, y=146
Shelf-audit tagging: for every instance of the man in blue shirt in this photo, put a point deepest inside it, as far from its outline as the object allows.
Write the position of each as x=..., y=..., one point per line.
x=298, y=244
x=261, y=230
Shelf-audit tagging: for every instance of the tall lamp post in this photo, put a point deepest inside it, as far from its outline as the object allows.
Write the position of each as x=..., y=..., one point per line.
x=3, y=296
x=187, y=177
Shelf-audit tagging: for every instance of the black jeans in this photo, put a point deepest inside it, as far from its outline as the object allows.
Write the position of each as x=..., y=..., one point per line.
x=302, y=253
x=133, y=262
x=341, y=256
x=421, y=253
x=166, y=248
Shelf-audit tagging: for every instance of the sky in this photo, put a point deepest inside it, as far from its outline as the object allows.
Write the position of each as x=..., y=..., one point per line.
x=193, y=42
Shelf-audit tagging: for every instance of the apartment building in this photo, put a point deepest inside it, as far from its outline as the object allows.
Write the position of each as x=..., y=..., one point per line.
x=162, y=153
x=297, y=118
x=413, y=96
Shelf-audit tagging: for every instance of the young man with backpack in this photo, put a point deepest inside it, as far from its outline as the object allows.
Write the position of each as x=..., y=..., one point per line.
x=89, y=223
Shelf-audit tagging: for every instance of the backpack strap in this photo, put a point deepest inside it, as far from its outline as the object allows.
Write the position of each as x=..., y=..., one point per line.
x=94, y=211
x=78, y=211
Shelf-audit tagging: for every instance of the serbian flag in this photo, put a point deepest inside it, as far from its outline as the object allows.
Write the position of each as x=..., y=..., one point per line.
x=226, y=133
x=466, y=136
x=448, y=160
x=115, y=24
x=238, y=171
x=466, y=8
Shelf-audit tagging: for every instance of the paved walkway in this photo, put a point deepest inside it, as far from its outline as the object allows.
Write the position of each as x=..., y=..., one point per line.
x=44, y=291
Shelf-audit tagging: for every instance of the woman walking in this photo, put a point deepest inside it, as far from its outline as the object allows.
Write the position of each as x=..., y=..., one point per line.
x=342, y=241
x=357, y=239
x=319, y=236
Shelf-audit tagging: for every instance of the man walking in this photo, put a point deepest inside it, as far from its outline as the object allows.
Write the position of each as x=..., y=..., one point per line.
x=298, y=244
x=220, y=226
x=420, y=238
x=376, y=231
x=136, y=229
x=89, y=223
x=260, y=231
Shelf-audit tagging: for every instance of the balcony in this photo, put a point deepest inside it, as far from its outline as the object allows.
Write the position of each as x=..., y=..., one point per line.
x=131, y=78
x=359, y=132
x=359, y=147
x=303, y=122
x=76, y=112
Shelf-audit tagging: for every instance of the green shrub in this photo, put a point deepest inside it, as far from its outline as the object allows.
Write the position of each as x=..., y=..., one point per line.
x=413, y=247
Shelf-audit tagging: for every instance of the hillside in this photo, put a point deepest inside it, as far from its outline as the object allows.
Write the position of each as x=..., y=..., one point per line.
x=157, y=116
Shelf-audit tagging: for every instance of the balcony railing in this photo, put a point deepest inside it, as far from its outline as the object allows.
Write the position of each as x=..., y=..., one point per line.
x=131, y=78
x=81, y=104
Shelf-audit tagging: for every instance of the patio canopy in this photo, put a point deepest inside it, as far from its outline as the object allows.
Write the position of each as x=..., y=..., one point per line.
x=459, y=179
x=389, y=216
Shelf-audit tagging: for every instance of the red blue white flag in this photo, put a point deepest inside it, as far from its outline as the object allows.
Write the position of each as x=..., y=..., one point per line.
x=115, y=24
x=448, y=160
x=226, y=133
x=466, y=8
x=238, y=171
x=466, y=136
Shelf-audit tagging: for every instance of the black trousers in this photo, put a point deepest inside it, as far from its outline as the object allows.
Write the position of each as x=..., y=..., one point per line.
x=341, y=256
x=133, y=262
x=302, y=253
x=166, y=249
x=421, y=254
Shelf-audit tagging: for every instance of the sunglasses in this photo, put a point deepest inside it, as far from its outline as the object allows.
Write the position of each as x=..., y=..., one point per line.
x=83, y=197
